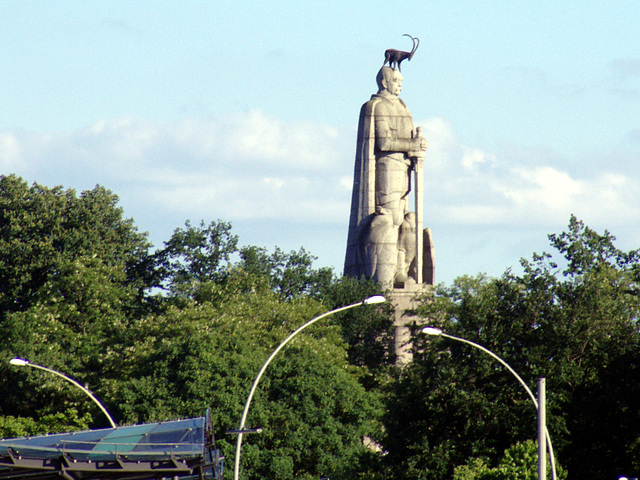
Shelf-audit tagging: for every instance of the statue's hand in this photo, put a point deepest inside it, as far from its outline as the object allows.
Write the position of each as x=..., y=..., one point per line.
x=420, y=143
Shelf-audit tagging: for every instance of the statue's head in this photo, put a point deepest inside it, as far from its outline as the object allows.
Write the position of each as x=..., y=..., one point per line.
x=390, y=80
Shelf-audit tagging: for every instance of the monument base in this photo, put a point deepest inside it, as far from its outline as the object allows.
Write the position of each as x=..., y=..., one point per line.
x=403, y=299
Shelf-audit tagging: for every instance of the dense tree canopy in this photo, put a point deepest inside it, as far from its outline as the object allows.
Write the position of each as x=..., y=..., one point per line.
x=167, y=333
x=73, y=277
x=204, y=355
x=46, y=235
x=172, y=333
x=575, y=325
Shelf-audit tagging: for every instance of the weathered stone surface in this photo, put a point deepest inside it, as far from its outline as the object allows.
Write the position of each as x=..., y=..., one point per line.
x=386, y=241
x=382, y=241
x=406, y=299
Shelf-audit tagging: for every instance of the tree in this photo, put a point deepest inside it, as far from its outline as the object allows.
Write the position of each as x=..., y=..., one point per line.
x=76, y=296
x=368, y=333
x=208, y=254
x=195, y=255
x=43, y=230
x=74, y=274
x=205, y=354
x=67, y=421
x=291, y=275
x=519, y=461
x=577, y=327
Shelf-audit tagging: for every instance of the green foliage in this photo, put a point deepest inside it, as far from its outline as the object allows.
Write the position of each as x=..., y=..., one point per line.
x=205, y=355
x=196, y=255
x=42, y=230
x=73, y=275
x=518, y=462
x=475, y=469
x=67, y=421
x=290, y=274
x=577, y=328
x=76, y=295
x=368, y=332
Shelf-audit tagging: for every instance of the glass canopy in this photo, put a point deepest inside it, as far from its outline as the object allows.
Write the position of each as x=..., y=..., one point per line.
x=181, y=449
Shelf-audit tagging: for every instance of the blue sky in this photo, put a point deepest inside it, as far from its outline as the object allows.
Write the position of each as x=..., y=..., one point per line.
x=247, y=111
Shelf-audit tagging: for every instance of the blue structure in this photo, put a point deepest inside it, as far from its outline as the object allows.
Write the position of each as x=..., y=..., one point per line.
x=181, y=449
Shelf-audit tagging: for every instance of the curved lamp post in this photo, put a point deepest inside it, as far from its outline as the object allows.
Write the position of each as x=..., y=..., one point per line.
x=440, y=333
x=241, y=428
x=25, y=363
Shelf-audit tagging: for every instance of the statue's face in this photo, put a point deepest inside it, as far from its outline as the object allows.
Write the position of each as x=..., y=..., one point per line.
x=394, y=83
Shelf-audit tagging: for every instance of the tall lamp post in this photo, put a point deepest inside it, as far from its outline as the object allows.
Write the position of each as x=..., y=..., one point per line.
x=241, y=428
x=439, y=332
x=19, y=362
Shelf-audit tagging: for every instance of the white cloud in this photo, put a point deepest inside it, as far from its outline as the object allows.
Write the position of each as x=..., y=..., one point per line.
x=473, y=157
x=443, y=145
x=244, y=166
x=521, y=186
x=10, y=157
x=625, y=68
x=544, y=186
x=251, y=166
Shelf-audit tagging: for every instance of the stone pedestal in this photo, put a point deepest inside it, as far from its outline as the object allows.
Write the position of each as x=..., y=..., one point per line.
x=403, y=299
x=404, y=296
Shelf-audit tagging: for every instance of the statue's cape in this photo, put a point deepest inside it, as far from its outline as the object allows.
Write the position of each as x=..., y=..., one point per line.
x=363, y=197
x=363, y=202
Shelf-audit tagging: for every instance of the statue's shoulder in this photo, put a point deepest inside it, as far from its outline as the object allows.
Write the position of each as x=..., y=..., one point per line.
x=369, y=106
x=383, y=102
x=367, y=112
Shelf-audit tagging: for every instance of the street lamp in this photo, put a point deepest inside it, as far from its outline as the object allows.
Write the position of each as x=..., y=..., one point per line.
x=438, y=332
x=19, y=362
x=241, y=428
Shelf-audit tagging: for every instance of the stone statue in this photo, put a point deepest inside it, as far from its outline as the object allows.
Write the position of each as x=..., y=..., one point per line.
x=382, y=232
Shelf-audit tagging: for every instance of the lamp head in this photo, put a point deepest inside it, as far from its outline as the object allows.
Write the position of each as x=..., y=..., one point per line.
x=432, y=331
x=374, y=299
x=19, y=362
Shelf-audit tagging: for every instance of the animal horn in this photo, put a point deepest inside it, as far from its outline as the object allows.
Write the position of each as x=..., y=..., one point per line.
x=416, y=42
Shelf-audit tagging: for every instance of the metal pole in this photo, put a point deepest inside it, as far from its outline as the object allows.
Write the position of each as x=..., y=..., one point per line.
x=241, y=429
x=25, y=363
x=437, y=331
x=542, y=428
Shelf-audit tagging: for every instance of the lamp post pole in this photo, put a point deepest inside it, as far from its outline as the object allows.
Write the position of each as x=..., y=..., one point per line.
x=241, y=427
x=542, y=430
x=439, y=332
x=25, y=363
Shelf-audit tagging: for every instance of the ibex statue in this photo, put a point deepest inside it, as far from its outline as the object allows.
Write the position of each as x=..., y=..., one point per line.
x=395, y=57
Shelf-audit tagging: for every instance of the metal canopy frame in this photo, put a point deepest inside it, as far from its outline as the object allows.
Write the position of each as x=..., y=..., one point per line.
x=181, y=449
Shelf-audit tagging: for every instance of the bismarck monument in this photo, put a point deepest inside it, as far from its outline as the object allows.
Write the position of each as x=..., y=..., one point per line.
x=386, y=241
